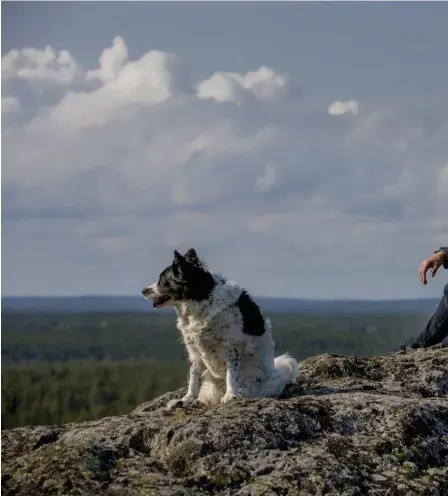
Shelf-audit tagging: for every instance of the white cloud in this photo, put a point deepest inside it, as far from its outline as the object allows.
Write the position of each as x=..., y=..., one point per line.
x=154, y=78
x=133, y=158
x=341, y=108
x=263, y=84
x=111, y=61
x=46, y=66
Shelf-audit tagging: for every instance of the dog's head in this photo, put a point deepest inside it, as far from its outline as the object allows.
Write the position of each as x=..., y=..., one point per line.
x=186, y=279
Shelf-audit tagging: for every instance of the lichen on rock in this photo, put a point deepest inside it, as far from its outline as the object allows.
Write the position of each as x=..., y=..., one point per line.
x=350, y=426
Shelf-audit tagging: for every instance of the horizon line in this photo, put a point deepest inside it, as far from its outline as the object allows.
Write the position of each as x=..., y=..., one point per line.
x=99, y=295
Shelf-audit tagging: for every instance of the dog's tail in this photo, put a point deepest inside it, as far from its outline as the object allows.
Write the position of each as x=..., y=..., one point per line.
x=288, y=367
x=286, y=370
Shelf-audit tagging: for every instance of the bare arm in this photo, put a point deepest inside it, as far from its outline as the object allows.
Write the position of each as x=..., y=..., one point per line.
x=439, y=259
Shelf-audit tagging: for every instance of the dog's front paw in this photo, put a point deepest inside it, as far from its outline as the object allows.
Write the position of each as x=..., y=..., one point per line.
x=182, y=403
x=228, y=397
x=172, y=404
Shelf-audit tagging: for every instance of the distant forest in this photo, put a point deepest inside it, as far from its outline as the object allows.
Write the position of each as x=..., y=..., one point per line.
x=62, y=367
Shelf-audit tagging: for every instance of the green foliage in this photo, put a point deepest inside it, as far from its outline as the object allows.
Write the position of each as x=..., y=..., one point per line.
x=56, y=393
x=28, y=337
x=59, y=368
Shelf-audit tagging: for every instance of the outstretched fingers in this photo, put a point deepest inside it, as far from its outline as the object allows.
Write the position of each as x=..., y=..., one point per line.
x=435, y=269
x=423, y=269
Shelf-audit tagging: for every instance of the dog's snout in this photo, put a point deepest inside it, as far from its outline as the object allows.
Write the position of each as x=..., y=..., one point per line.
x=148, y=292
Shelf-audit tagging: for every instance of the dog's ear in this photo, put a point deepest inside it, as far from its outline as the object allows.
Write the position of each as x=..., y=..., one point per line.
x=180, y=264
x=178, y=261
x=177, y=256
x=191, y=255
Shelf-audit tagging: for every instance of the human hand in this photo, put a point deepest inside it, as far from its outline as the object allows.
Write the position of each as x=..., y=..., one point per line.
x=433, y=263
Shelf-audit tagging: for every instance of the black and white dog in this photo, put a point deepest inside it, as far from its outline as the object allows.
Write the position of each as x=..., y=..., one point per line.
x=229, y=342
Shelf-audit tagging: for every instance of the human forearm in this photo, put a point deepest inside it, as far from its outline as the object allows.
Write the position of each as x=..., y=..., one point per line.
x=444, y=251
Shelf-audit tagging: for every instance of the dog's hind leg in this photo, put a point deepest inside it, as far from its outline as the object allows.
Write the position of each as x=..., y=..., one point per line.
x=212, y=390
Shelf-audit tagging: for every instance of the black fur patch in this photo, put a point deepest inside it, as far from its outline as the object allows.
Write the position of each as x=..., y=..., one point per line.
x=186, y=280
x=253, y=321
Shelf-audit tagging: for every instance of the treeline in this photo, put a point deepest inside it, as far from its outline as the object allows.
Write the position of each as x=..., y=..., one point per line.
x=59, y=338
x=115, y=336
x=57, y=393
x=59, y=368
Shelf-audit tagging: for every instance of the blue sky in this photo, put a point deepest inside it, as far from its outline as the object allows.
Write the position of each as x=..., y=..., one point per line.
x=302, y=147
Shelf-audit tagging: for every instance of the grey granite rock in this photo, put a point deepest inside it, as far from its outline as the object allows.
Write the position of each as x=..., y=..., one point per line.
x=351, y=426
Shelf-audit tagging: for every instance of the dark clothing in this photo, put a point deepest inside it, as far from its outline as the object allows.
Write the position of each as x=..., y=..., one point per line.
x=445, y=262
x=436, y=330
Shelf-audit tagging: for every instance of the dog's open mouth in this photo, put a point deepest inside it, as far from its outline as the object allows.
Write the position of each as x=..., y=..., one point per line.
x=160, y=300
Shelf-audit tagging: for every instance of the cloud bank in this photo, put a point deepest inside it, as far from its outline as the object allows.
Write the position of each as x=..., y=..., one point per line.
x=112, y=167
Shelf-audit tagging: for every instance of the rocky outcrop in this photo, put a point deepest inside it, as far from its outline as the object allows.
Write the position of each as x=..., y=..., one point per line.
x=352, y=425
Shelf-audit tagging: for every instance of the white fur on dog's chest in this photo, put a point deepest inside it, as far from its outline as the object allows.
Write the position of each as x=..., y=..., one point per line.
x=205, y=343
